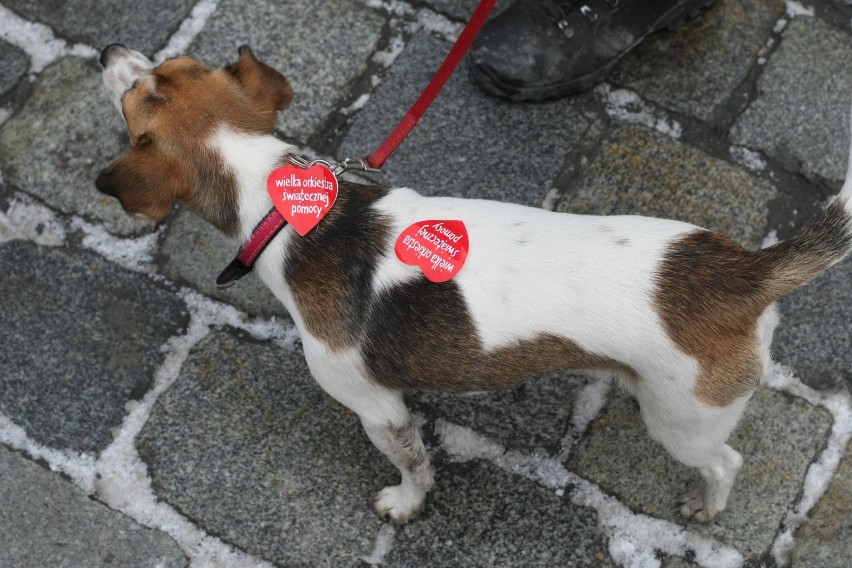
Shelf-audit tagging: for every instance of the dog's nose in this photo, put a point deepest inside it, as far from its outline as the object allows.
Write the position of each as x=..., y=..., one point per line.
x=108, y=52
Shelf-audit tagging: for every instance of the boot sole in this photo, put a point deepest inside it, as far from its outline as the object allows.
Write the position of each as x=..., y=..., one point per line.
x=676, y=18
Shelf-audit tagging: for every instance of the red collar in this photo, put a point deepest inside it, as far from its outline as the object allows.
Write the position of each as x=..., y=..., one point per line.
x=243, y=263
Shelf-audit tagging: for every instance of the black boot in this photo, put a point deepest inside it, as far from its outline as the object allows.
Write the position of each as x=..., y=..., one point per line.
x=542, y=49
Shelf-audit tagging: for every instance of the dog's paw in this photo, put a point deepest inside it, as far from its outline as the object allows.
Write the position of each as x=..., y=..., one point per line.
x=692, y=507
x=398, y=503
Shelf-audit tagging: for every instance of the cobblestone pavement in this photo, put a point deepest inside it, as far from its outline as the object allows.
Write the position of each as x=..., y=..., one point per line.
x=147, y=419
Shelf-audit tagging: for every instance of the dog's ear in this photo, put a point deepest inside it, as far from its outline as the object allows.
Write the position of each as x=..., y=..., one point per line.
x=268, y=88
x=144, y=182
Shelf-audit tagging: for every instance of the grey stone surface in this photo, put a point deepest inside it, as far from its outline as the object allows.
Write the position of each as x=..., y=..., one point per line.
x=462, y=9
x=81, y=338
x=321, y=47
x=479, y=516
x=825, y=540
x=467, y=144
x=48, y=522
x=13, y=65
x=814, y=336
x=712, y=55
x=65, y=134
x=801, y=116
x=535, y=414
x=778, y=438
x=195, y=252
x=640, y=172
x=248, y=446
x=144, y=26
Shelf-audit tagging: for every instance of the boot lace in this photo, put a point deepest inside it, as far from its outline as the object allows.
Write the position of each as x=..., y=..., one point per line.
x=558, y=10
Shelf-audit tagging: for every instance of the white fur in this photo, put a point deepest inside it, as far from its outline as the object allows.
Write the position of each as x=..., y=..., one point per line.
x=125, y=68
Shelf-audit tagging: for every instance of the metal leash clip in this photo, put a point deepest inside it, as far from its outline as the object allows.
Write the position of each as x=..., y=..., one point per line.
x=359, y=164
x=349, y=164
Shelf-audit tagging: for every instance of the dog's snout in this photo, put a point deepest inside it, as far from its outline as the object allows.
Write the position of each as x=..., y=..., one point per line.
x=108, y=52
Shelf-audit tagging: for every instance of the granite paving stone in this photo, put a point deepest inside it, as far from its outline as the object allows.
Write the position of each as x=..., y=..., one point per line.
x=144, y=26
x=81, y=338
x=825, y=540
x=813, y=336
x=48, y=522
x=477, y=515
x=302, y=39
x=712, y=55
x=801, y=116
x=462, y=9
x=535, y=414
x=641, y=172
x=13, y=65
x=64, y=135
x=249, y=447
x=778, y=437
x=468, y=144
x=195, y=252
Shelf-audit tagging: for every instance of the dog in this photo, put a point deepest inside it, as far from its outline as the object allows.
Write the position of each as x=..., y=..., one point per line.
x=682, y=316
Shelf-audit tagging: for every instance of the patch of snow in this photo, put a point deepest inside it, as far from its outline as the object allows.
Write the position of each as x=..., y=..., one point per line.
x=38, y=41
x=357, y=105
x=551, y=199
x=31, y=221
x=747, y=158
x=627, y=106
x=78, y=466
x=821, y=471
x=438, y=24
x=797, y=9
x=189, y=28
x=215, y=313
x=384, y=541
x=387, y=56
x=770, y=239
x=132, y=253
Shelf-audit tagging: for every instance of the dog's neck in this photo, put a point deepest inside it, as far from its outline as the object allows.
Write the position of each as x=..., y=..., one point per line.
x=249, y=158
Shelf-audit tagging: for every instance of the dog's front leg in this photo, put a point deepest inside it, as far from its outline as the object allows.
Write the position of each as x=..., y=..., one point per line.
x=388, y=424
x=400, y=441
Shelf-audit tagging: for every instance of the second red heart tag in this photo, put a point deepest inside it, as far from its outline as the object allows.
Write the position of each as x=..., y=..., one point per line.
x=439, y=248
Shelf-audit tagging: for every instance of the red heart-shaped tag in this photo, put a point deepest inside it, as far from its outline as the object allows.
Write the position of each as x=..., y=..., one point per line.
x=302, y=196
x=439, y=248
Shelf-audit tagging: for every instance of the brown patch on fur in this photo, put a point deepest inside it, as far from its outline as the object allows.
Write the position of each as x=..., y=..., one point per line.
x=330, y=270
x=710, y=292
x=709, y=295
x=171, y=116
x=420, y=336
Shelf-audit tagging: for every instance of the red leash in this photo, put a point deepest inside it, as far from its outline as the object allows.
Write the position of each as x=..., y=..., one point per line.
x=418, y=109
x=273, y=222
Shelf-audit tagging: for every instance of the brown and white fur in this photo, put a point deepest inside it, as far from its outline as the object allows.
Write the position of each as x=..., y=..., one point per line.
x=682, y=316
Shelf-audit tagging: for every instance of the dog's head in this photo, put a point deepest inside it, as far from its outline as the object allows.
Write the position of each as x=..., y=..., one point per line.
x=171, y=110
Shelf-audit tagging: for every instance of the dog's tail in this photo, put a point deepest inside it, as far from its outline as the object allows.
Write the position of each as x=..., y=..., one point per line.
x=824, y=242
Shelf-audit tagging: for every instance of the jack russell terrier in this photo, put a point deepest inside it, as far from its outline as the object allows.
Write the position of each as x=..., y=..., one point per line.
x=682, y=316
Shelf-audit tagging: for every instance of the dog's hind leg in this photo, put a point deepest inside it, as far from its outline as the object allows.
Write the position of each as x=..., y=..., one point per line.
x=695, y=435
x=391, y=428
